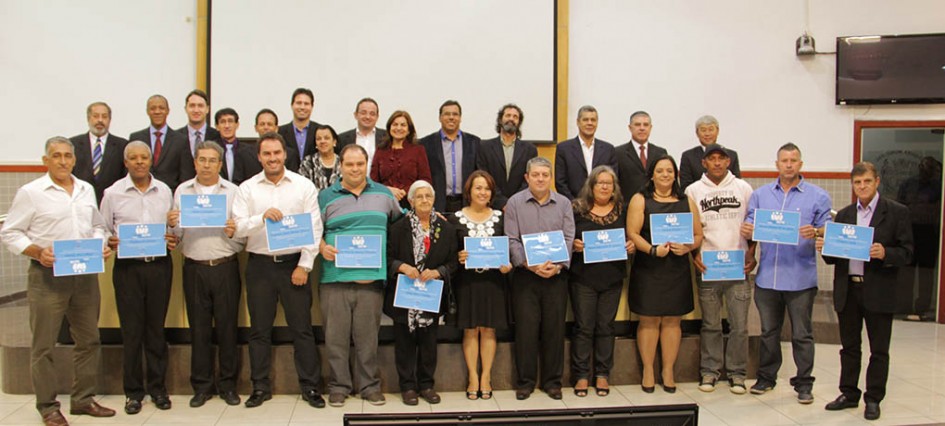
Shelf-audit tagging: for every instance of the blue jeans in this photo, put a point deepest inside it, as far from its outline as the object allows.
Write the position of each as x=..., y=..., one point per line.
x=737, y=297
x=771, y=306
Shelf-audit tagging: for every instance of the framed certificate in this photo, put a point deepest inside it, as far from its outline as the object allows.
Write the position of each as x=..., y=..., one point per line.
x=723, y=265
x=671, y=228
x=486, y=252
x=293, y=231
x=545, y=246
x=777, y=226
x=358, y=251
x=605, y=245
x=848, y=241
x=141, y=240
x=416, y=294
x=78, y=257
x=203, y=211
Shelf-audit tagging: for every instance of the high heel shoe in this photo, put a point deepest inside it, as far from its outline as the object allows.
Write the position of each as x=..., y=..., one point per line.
x=602, y=390
x=648, y=389
x=669, y=389
x=473, y=395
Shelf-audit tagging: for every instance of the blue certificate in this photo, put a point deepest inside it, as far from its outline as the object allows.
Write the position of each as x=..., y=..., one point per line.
x=416, y=294
x=78, y=257
x=605, y=245
x=848, y=241
x=487, y=252
x=293, y=231
x=671, y=228
x=141, y=240
x=358, y=251
x=777, y=226
x=203, y=211
x=723, y=265
x=545, y=246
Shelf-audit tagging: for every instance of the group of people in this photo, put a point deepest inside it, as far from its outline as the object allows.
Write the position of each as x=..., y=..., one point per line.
x=422, y=197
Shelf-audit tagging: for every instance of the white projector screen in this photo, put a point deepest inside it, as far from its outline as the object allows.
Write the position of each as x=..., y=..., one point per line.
x=409, y=55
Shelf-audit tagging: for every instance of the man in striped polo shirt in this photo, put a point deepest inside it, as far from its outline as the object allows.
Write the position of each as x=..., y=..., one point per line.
x=352, y=298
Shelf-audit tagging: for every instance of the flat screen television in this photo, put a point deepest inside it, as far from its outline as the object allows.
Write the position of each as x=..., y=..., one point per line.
x=896, y=69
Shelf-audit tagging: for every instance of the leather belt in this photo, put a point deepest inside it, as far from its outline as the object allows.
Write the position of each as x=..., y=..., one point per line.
x=147, y=259
x=293, y=257
x=856, y=278
x=211, y=262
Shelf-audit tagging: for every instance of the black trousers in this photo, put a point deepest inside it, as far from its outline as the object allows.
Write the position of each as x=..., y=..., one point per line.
x=268, y=283
x=212, y=294
x=595, y=309
x=879, y=330
x=415, y=356
x=142, y=293
x=540, y=306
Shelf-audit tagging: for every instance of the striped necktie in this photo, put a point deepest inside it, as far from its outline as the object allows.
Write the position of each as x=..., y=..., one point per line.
x=97, y=158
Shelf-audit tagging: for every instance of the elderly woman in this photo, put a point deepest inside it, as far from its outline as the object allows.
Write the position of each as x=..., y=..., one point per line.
x=399, y=160
x=660, y=283
x=480, y=294
x=420, y=245
x=595, y=288
x=323, y=167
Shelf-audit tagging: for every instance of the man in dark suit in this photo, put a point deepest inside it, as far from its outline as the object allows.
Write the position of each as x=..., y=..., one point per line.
x=173, y=162
x=99, y=156
x=631, y=167
x=365, y=134
x=575, y=158
x=234, y=167
x=866, y=291
x=247, y=158
x=197, y=106
x=299, y=134
x=452, y=155
x=690, y=164
x=506, y=156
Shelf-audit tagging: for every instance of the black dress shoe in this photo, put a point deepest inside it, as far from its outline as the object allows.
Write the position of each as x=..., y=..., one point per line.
x=230, y=397
x=132, y=406
x=257, y=398
x=842, y=402
x=554, y=393
x=162, y=402
x=522, y=394
x=313, y=398
x=872, y=410
x=199, y=399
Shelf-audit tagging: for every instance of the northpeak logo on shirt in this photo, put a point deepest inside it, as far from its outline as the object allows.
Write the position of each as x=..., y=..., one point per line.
x=719, y=202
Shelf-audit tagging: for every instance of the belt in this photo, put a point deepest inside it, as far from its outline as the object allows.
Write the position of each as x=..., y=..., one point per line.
x=211, y=262
x=856, y=278
x=293, y=257
x=147, y=259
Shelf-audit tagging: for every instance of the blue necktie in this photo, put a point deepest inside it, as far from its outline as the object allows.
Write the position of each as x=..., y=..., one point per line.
x=97, y=158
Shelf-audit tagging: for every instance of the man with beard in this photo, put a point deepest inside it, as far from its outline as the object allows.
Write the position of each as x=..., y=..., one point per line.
x=197, y=106
x=299, y=135
x=98, y=154
x=172, y=161
x=506, y=156
x=452, y=156
x=365, y=134
x=575, y=158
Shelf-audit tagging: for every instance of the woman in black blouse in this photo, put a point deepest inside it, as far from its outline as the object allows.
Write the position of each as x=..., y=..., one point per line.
x=323, y=167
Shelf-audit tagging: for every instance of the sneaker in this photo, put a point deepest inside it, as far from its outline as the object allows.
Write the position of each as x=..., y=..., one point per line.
x=760, y=387
x=375, y=398
x=805, y=397
x=336, y=399
x=707, y=384
x=737, y=385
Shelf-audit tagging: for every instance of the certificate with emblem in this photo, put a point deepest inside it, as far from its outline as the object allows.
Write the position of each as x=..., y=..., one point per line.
x=486, y=252
x=358, y=251
x=777, y=226
x=203, y=211
x=605, y=245
x=78, y=257
x=293, y=231
x=848, y=241
x=723, y=265
x=545, y=246
x=671, y=228
x=419, y=295
x=141, y=240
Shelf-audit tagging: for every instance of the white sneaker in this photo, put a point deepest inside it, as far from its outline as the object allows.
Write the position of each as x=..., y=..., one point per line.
x=737, y=385
x=707, y=384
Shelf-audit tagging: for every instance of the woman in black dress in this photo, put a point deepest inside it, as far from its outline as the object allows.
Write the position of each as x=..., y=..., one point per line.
x=595, y=288
x=660, y=281
x=480, y=294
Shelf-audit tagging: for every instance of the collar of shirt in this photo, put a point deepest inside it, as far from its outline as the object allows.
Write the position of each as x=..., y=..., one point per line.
x=93, y=138
x=230, y=143
x=163, y=131
x=638, y=145
x=130, y=185
x=303, y=130
x=869, y=208
x=49, y=183
x=339, y=188
x=261, y=178
x=800, y=187
x=444, y=138
x=551, y=198
x=191, y=132
x=584, y=144
x=357, y=132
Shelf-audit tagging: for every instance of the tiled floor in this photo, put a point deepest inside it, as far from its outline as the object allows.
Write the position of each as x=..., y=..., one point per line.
x=916, y=395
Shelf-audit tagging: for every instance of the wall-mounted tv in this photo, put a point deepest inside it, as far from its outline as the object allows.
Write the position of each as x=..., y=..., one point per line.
x=896, y=69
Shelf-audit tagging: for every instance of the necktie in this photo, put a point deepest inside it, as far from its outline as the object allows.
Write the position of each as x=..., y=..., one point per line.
x=643, y=156
x=97, y=158
x=229, y=161
x=453, y=153
x=157, y=146
x=197, y=139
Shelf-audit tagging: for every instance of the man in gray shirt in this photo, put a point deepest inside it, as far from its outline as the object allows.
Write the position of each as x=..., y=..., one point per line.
x=540, y=291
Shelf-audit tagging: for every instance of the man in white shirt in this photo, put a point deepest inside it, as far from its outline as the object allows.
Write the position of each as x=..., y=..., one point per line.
x=575, y=158
x=211, y=281
x=142, y=285
x=365, y=134
x=57, y=206
x=281, y=275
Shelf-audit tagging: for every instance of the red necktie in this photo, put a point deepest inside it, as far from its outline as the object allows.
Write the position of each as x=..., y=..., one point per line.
x=157, y=146
x=643, y=155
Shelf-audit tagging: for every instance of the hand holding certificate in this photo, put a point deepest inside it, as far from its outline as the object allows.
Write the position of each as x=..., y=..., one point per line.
x=78, y=257
x=545, y=246
x=141, y=240
x=723, y=265
x=293, y=231
x=777, y=226
x=358, y=251
x=671, y=228
x=604, y=246
x=848, y=241
x=203, y=211
x=486, y=252
x=416, y=294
